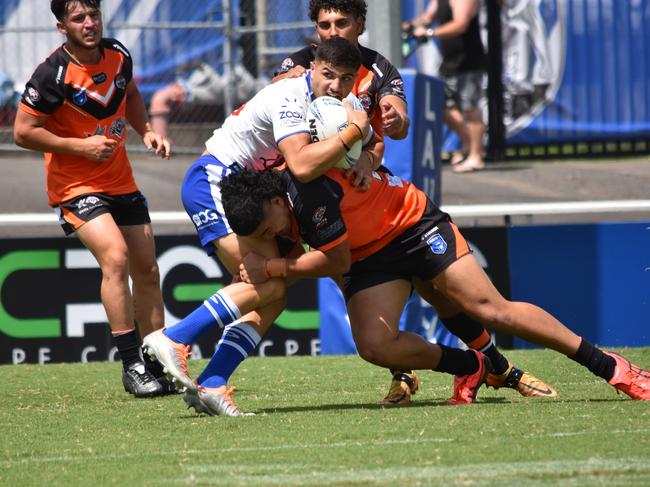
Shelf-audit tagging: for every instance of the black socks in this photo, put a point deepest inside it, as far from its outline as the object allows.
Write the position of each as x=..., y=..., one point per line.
x=457, y=362
x=476, y=336
x=128, y=344
x=595, y=360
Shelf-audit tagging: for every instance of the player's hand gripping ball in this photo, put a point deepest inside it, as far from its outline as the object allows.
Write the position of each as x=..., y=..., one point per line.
x=327, y=117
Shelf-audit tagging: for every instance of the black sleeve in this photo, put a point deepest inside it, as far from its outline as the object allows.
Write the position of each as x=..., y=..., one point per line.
x=127, y=68
x=391, y=82
x=299, y=58
x=45, y=91
x=317, y=211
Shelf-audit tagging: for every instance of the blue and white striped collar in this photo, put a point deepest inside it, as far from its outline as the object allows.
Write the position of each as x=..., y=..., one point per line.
x=310, y=92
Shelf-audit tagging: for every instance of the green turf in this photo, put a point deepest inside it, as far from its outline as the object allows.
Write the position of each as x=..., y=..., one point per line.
x=318, y=423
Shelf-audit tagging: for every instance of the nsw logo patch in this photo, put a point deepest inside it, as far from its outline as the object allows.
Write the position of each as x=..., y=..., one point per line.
x=437, y=244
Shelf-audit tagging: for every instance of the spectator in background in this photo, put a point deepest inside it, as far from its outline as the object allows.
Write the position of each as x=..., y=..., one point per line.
x=203, y=86
x=528, y=71
x=463, y=66
x=8, y=99
x=74, y=109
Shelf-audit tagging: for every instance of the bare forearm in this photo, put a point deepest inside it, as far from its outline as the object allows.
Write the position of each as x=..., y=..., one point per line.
x=311, y=264
x=314, y=160
x=428, y=16
x=136, y=113
x=42, y=140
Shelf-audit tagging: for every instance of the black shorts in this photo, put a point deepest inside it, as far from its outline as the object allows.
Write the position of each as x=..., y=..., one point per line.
x=424, y=250
x=126, y=209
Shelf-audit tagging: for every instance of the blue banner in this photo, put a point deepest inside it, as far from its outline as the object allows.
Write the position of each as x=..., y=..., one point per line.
x=594, y=278
x=574, y=70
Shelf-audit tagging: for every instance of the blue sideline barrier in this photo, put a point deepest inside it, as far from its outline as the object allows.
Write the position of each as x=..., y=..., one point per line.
x=594, y=278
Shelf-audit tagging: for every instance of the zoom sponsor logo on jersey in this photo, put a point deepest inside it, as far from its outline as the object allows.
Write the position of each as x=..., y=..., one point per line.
x=288, y=114
x=205, y=218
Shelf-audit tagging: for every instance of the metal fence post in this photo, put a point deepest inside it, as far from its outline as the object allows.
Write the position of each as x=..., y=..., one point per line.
x=228, y=62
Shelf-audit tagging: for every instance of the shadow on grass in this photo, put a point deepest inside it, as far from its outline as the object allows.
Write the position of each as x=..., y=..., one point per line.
x=419, y=404
x=339, y=407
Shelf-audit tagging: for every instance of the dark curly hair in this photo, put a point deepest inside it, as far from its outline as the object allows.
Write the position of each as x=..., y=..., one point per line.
x=245, y=194
x=60, y=7
x=358, y=8
x=339, y=52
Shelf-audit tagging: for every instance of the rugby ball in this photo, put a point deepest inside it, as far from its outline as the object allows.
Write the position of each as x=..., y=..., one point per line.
x=327, y=117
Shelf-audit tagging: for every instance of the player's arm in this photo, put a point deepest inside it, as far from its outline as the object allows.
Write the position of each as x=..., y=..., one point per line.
x=295, y=65
x=316, y=263
x=371, y=158
x=294, y=72
x=30, y=133
x=307, y=161
x=394, y=116
x=136, y=114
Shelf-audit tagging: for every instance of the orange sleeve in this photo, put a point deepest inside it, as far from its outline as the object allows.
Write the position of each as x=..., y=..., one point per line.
x=334, y=243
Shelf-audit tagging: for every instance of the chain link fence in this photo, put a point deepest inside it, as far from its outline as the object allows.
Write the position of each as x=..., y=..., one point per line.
x=194, y=60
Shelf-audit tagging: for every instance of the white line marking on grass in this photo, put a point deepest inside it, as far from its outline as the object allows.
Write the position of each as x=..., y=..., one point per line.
x=301, y=446
x=592, y=471
x=294, y=446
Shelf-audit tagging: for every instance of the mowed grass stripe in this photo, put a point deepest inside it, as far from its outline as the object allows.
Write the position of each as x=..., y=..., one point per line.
x=297, y=446
x=595, y=471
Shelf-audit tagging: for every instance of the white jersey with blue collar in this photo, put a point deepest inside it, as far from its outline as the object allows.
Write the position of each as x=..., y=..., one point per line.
x=250, y=135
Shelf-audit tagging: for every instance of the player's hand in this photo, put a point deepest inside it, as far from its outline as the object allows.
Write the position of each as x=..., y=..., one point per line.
x=391, y=119
x=360, y=175
x=158, y=143
x=252, y=269
x=99, y=148
x=358, y=117
x=407, y=26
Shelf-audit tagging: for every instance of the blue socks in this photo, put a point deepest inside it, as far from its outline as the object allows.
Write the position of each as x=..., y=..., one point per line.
x=238, y=342
x=216, y=311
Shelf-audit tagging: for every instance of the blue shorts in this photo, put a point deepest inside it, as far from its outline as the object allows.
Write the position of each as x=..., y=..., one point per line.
x=201, y=198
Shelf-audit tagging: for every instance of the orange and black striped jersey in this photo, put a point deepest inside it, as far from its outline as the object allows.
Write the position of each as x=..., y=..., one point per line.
x=376, y=78
x=328, y=210
x=83, y=100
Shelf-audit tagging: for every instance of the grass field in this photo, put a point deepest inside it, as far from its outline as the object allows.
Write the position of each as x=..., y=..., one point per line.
x=317, y=423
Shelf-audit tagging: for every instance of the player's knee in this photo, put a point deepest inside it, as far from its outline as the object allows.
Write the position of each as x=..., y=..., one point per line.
x=495, y=315
x=115, y=262
x=371, y=351
x=148, y=275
